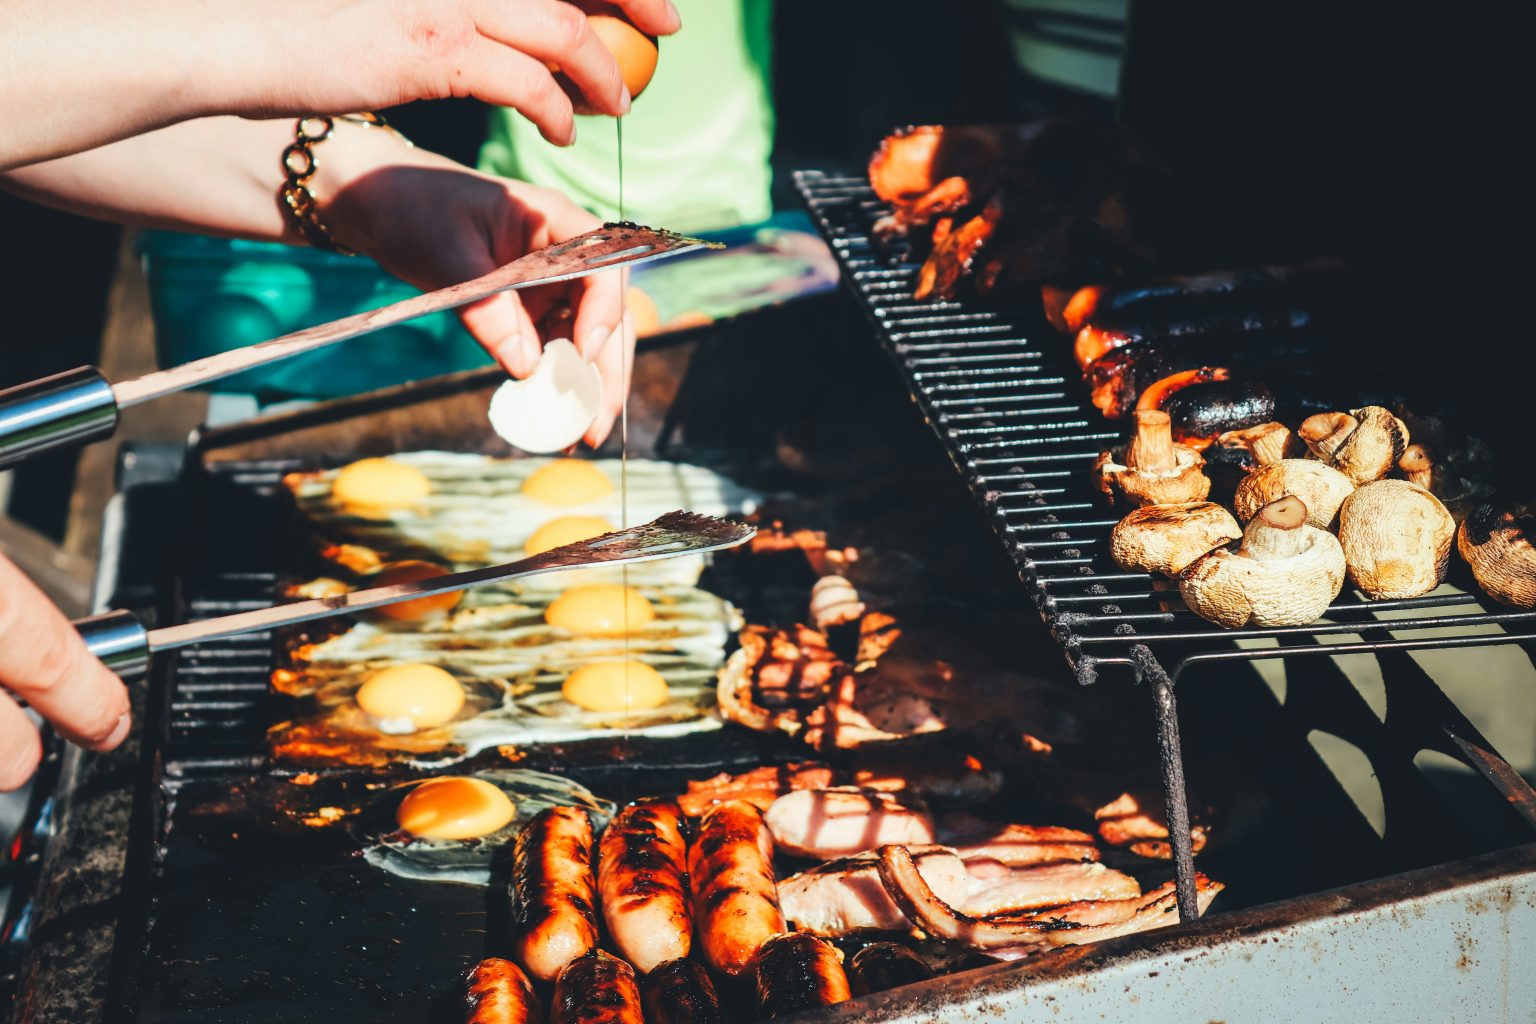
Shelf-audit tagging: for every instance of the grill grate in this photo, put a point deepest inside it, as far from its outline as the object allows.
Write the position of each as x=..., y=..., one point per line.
x=1023, y=436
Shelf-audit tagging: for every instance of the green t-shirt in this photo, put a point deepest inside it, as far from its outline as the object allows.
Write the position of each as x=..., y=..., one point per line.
x=696, y=142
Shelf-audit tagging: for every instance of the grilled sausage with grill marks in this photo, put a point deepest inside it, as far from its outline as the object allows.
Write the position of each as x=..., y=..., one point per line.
x=642, y=878
x=798, y=972
x=680, y=992
x=882, y=965
x=552, y=891
x=596, y=988
x=498, y=992
x=735, y=897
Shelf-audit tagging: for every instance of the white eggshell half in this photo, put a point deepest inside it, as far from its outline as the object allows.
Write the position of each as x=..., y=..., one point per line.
x=553, y=408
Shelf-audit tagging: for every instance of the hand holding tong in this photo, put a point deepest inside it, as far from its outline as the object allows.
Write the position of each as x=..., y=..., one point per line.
x=121, y=641
x=79, y=406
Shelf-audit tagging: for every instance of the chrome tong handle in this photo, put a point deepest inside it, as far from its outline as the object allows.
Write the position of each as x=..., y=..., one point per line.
x=119, y=639
x=70, y=408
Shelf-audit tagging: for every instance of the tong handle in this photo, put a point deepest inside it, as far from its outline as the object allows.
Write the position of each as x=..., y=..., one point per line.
x=69, y=408
x=119, y=639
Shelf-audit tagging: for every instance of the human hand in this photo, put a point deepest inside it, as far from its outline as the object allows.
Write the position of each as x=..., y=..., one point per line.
x=44, y=661
x=433, y=222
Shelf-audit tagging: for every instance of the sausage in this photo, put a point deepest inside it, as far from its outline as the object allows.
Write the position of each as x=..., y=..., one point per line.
x=1117, y=379
x=596, y=988
x=680, y=992
x=498, y=992
x=882, y=965
x=642, y=879
x=1095, y=339
x=798, y=972
x=552, y=891
x=1204, y=410
x=735, y=897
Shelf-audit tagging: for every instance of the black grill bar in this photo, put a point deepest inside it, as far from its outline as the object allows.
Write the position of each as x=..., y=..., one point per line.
x=999, y=392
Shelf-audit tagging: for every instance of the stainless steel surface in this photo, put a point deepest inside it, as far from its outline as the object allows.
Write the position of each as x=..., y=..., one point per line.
x=608, y=247
x=670, y=535
x=73, y=407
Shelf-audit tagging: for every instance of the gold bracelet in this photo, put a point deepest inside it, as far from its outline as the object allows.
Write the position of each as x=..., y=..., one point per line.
x=300, y=165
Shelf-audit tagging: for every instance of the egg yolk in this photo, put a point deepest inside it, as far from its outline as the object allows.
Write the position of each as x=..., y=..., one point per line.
x=600, y=609
x=421, y=607
x=454, y=808
x=423, y=696
x=566, y=530
x=567, y=482
x=375, y=487
x=615, y=686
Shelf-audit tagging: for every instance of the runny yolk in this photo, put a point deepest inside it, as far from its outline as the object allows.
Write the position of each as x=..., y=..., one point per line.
x=615, y=686
x=600, y=609
x=373, y=488
x=567, y=482
x=566, y=530
x=454, y=807
x=405, y=698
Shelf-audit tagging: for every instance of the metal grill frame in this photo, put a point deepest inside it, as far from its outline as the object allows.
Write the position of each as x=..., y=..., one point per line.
x=1021, y=432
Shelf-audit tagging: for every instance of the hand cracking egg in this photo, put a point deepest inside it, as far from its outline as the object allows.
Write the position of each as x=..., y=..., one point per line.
x=549, y=411
x=615, y=686
x=635, y=52
x=566, y=530
x=373, y=488
x=454, y=807
x=600, y=609
x=410, y=697
x=567, y=482
x=450, y=828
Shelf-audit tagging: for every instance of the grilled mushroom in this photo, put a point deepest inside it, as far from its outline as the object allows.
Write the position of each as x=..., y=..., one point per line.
x=1267, y=443
x=1283, y=572
x=1363, y=444
x=1166, y=538
x=1151, y=469
x=1500, y=546
x=1396, y=538
x=1322, y=488
x=1417, y=466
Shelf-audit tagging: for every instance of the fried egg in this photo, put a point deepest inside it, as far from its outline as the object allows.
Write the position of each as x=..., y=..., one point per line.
x=478, y=513
x=374, y=488
x=449, y=828
x=557, y=533
x=413, y=571
x=410, y=697
x=600, y=609
x=615, y=686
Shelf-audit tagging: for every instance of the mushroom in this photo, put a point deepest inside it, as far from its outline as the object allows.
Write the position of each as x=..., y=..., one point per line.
x=1166, y=538
x=1266, y=442
x=1322, y=488
x=1151, y=469
x=1283, y=572
x=1363, y=444
x=1500, y=546
x=1417, y=466
x=1396, y=538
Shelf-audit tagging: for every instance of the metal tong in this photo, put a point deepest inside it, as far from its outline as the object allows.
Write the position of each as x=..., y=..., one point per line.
x=80, y=405
x=121, y=640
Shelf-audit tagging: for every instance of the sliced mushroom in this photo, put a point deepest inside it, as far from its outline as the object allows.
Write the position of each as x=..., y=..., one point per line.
x=1396, y=538
x=1151, y=469
x=1500, y=546
x=1166, y=538
x=1322, y=488
x=1363, y=444
x=1283, y=572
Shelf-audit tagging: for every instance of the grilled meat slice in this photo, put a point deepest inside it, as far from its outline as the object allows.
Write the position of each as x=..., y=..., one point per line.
x=823, y=823
x=941, y=776
x=1136, y=821
x=759, y=787
x=911, y=161
x=951, y=259
x=1014, y=845
x=846, y=896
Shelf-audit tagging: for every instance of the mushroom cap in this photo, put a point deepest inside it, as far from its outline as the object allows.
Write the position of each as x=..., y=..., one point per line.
x=1322, y=487
x=1267, y=442
x=1166, y=538
x=1364, y=450
x=1233, y=589
x=1500, y=546
x=1129, y=487
x=1396, y=538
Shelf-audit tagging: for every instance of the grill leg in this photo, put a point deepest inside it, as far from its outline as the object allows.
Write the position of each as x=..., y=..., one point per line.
x=1176, y=800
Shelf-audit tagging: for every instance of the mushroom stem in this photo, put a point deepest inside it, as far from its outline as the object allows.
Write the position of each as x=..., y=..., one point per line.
x=1417, y=466
x=1276, y=530
x=1326, y=432
x=1151, y=451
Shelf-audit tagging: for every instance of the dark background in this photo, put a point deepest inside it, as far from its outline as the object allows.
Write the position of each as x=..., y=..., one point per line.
x=1328, y=125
